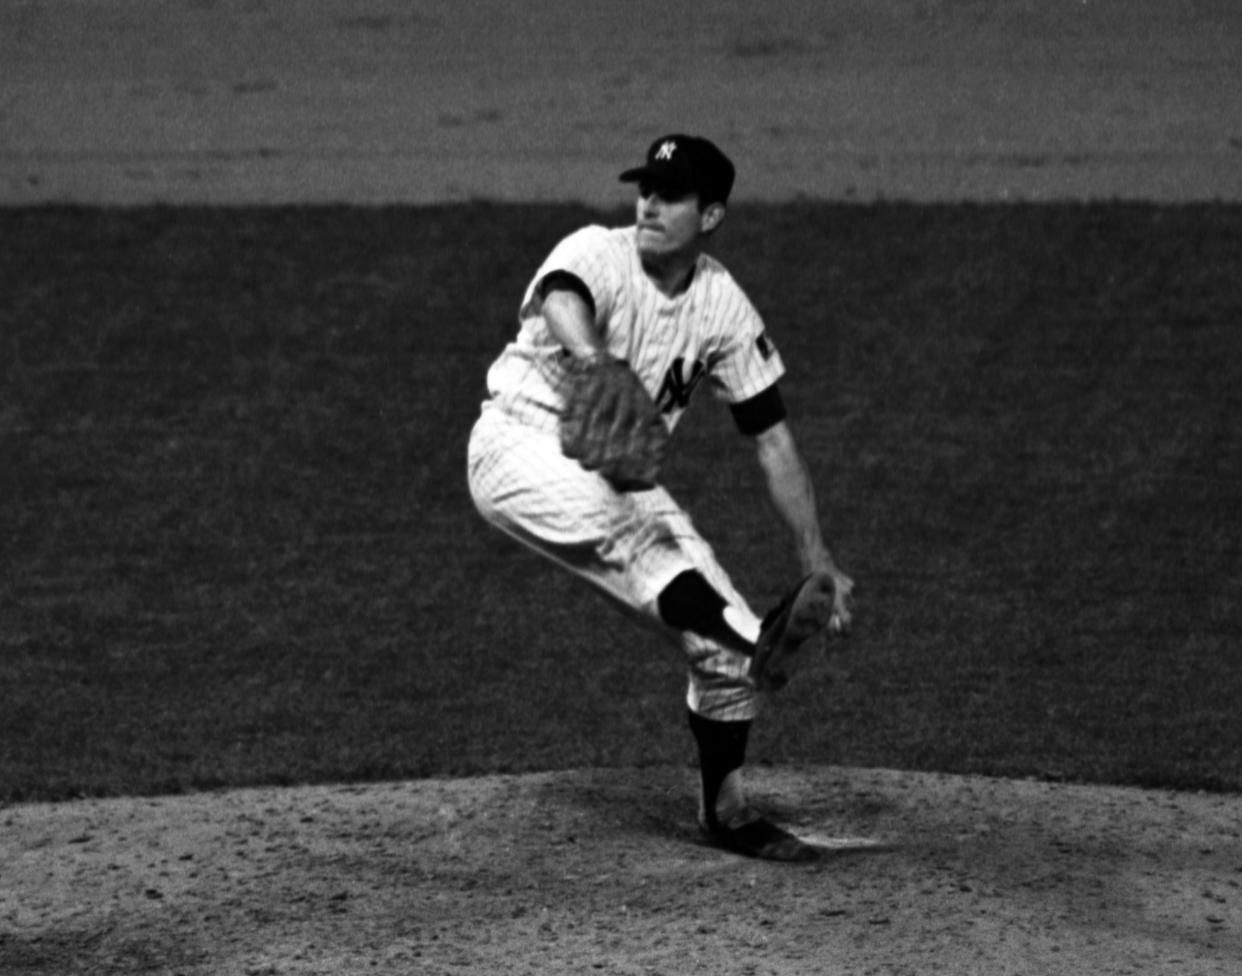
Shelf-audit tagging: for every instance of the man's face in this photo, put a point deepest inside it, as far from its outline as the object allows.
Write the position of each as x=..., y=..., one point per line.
x=668, y=223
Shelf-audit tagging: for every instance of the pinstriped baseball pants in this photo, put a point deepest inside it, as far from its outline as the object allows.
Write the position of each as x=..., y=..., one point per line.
x=628, y=545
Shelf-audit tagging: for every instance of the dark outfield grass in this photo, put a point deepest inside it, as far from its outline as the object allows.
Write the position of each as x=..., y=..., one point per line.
x=238, y=549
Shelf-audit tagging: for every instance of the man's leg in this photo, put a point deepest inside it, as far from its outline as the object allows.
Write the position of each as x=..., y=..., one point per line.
x=692, y=605
x=725, y=817
x=643, y=551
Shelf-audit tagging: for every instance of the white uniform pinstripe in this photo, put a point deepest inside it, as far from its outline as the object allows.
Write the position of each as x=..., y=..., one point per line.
x=629, y=545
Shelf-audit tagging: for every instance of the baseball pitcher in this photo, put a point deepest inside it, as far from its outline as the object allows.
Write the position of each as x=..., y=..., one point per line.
x=618, y=329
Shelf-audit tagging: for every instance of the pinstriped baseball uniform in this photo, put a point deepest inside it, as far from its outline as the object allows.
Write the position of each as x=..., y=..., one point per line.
x=630, y=545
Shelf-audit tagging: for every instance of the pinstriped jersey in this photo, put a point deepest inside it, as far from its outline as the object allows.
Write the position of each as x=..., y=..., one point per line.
x=709, y=333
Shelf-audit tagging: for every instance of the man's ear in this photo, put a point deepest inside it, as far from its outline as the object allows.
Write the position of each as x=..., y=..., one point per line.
x=713, y=216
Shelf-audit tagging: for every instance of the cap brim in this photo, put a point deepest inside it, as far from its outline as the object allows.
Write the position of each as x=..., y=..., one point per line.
x=659, y=178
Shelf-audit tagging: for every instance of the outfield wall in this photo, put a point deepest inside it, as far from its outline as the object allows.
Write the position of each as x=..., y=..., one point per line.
x=374, y=101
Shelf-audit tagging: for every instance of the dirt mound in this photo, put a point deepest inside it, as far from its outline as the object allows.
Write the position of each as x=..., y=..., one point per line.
x=602, y=871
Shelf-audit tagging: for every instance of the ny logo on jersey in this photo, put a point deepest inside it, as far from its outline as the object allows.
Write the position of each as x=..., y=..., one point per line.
x=677, y=388
x=666, y=150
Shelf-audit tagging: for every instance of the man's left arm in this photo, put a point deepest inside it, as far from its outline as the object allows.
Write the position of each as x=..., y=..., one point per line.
x=793, y=494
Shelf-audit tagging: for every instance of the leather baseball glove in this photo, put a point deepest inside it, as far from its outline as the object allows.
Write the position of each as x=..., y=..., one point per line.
x=610, y=423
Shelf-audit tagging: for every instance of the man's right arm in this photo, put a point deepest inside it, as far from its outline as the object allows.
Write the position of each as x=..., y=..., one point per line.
x=571, y=319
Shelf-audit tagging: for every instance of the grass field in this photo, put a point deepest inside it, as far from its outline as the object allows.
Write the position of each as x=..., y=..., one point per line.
x=237, y=546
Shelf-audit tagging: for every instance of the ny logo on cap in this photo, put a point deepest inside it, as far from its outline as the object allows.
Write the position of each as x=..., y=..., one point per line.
x=666, y=150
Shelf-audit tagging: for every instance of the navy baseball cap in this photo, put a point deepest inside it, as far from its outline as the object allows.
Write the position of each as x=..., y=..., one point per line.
x=684, y=164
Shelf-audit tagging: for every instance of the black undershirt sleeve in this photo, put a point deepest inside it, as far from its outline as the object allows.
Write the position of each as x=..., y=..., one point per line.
x=760, y=412
x=566, y=281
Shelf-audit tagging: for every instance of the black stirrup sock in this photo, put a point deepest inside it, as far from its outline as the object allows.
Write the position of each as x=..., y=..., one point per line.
x=722, y=749
x=690, y=603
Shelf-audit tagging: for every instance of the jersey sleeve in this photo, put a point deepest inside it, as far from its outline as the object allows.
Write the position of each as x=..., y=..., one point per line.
x=588, y=255
x=748, y=362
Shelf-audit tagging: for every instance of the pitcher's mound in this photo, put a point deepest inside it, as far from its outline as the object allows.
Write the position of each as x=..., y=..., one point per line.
x=602, y=871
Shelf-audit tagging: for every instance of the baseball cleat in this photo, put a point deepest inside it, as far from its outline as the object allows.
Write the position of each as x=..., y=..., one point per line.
x=758, y=837
x=804, y=613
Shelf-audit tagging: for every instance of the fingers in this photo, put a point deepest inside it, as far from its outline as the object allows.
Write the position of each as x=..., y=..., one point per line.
x=842, y=607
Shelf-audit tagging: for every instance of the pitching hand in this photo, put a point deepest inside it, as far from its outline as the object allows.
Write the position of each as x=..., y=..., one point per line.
x=842, y=602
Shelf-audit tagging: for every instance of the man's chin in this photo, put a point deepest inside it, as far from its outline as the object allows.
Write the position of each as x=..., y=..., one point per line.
x=649, y=251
